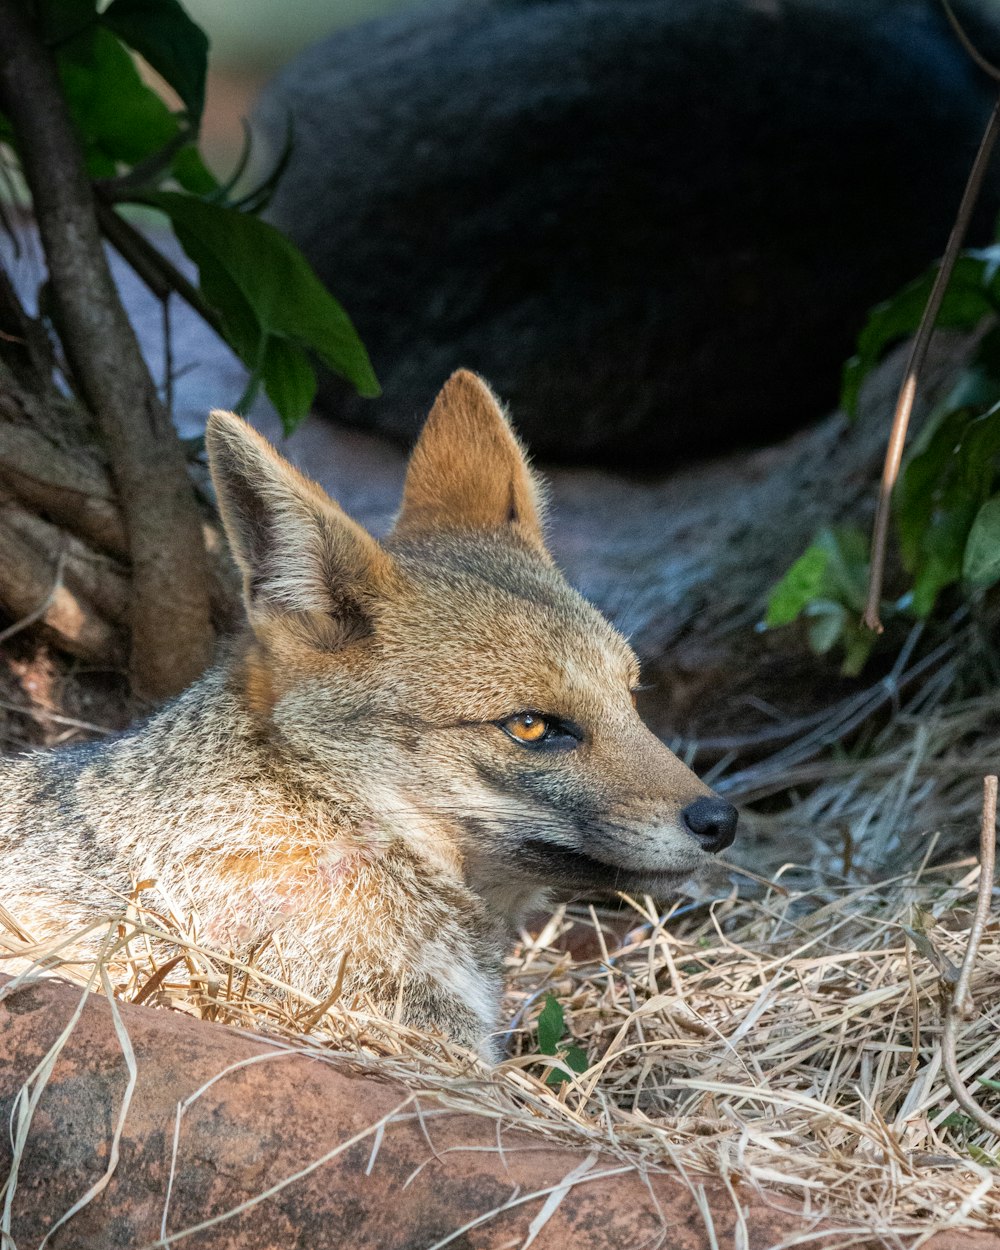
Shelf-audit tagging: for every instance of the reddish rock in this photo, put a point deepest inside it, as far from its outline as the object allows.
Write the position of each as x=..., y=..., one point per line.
x=414, y=1186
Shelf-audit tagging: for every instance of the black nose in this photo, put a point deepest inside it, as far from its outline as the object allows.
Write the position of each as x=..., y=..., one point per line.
x=712, y=821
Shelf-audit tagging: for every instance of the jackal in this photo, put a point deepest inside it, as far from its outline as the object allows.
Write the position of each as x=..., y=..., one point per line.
x=413, y=741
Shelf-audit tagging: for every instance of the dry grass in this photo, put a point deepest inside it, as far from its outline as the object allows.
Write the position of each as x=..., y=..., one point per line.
x=789, y=1040
x=785, y=1034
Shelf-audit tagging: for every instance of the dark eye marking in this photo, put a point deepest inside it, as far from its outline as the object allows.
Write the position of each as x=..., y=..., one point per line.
x=537, y=731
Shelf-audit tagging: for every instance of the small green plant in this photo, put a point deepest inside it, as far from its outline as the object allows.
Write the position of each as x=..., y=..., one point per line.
x=826, y=585
x=946, y=504
x=552, y=1041
x=963, y=1126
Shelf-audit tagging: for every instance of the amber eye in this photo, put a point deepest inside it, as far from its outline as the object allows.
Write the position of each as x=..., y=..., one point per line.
x=526, y=727
x=542, y=733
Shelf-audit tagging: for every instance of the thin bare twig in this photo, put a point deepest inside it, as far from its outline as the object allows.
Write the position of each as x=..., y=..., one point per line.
x=156, y=271
x=38, y=712
x=961, y=1004
x=970, y=48
x=918, y=354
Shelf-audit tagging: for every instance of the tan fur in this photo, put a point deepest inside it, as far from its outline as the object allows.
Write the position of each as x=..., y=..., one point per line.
x=342, y=780
x=468, y=470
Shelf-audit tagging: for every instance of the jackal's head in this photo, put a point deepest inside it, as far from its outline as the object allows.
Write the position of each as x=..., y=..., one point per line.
x=447, y=681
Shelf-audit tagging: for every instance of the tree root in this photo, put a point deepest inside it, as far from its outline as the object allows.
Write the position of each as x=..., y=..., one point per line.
x=72, y=488
x=44, y=578
x=54, y=572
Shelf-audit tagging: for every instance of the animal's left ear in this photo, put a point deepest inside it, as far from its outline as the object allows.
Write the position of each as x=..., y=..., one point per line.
x=468, y=471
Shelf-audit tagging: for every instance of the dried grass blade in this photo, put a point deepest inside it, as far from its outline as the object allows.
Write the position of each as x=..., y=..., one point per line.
x=102, y=1182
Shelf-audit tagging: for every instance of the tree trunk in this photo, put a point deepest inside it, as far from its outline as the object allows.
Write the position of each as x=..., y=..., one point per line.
x=170, y=628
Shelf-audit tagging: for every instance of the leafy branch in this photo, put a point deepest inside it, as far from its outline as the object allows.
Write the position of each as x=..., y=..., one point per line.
x=946, y=500
x=92, y=138
x=107, y=368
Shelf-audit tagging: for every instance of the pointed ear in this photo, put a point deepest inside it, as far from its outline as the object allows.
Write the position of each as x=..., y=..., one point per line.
x=300, y=555
x=468, y=471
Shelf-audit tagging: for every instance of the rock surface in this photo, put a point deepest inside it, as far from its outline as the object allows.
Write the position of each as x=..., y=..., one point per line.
x=251, y=1114
x=656, y=228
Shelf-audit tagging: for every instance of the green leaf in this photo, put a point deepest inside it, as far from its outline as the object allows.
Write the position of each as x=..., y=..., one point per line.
x=799, y=587
x=978, y=385
x=977, y=454
x=832, y=571
x=921, y=478
x=576, y=1059
x=940, y=494
x=265, y=293
x=289, y=380
x=957, y=1120
x=858, y=642
x=118, y=118
x=192, y=173
x=981, y=561
x=550, y=1025
x=242, y=327
x=968, y=299
x=846, y=579
x=940, y=564
x=832, y=624
x=828, y=585
x=826, y=625
x=175, y=46
x=573, y=1057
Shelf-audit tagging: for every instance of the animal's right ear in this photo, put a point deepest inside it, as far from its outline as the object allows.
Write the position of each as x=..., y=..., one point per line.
x=300, y=554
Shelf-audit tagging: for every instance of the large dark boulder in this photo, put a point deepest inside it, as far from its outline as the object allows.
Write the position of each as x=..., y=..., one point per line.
x=655, y=226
